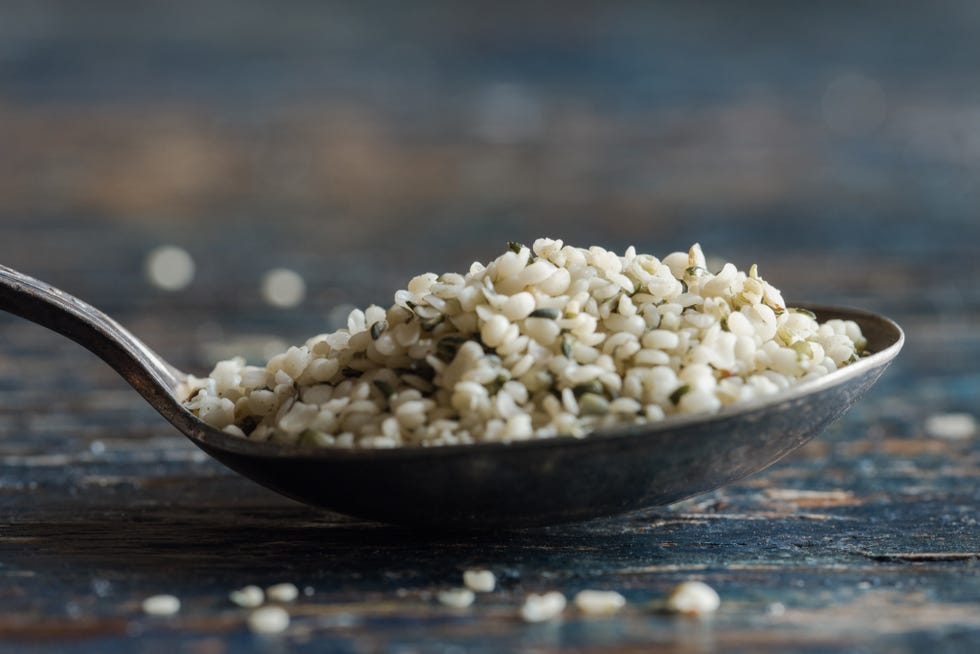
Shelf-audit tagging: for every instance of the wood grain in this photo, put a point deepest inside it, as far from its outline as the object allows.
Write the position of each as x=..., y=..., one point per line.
x=327, y=140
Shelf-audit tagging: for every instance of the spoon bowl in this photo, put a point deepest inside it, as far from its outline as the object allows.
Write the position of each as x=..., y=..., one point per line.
x=492, y=485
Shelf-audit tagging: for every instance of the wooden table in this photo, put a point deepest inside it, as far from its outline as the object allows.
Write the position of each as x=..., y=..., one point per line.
x=836, y=147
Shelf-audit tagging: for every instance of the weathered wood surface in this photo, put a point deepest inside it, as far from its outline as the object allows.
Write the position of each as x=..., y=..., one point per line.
x=362, y=145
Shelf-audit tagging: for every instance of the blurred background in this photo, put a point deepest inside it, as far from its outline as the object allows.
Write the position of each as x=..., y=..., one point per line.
x=293, y=158
x=232, y=176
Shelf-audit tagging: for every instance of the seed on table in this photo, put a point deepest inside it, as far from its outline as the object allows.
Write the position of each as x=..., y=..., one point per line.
x=458, y=598
x=693, y=598
x=248, y=597
x=282, y=592
x=161, y=605
x=599, y=602
x=952, y=426
x=540, y=608
x=268, y=620
x=481, y=581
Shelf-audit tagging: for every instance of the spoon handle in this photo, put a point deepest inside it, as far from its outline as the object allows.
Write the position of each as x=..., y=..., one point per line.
x=150, y=375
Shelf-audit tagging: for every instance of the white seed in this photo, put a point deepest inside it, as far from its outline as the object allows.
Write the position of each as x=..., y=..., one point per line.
x=660, y=339
x=574, y=340
x=248, y=597
x=269, y=620
x=481, y=581
x=518, y=306
x=494, y=330
x=458, y=598
x=693, y=598
x=540, y=608
x=599, y=602
x=282, y=592
x=323, y=369
x=952, y=426
x=161, y=605
x=536, y=272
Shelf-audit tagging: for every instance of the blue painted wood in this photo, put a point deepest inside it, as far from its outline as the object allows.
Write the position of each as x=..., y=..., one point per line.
x=832, y=143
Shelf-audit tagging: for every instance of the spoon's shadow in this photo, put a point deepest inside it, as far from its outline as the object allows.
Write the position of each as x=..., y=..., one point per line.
x=227, y=545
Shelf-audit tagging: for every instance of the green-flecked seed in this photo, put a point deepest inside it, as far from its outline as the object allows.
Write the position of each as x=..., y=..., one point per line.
x=315, y=438
x=548, y=312
x=681, y=391
x=566, y=348
x=594, y=386
x=448, y=346
x=591, y=404
x=805, y=312
x=429, y=324
x=378, y=328
x=423, y=369
x=248, y=424
x=384, y=387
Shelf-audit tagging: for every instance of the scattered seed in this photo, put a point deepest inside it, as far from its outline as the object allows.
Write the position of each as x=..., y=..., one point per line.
x=599, y=602
x=693, y=598
x=268, y=620
x=952, y=426
x=248, y=597
x=458, y=598
x=481, y=581
x=282, y=592
x=540, y=608
x=161, y=605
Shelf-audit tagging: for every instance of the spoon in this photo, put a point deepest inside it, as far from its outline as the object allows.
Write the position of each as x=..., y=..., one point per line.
x=491, y=485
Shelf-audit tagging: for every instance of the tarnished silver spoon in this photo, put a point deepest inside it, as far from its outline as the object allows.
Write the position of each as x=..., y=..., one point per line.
x=491, y=485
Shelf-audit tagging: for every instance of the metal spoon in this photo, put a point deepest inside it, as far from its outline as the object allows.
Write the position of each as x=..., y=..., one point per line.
x=493, y=484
